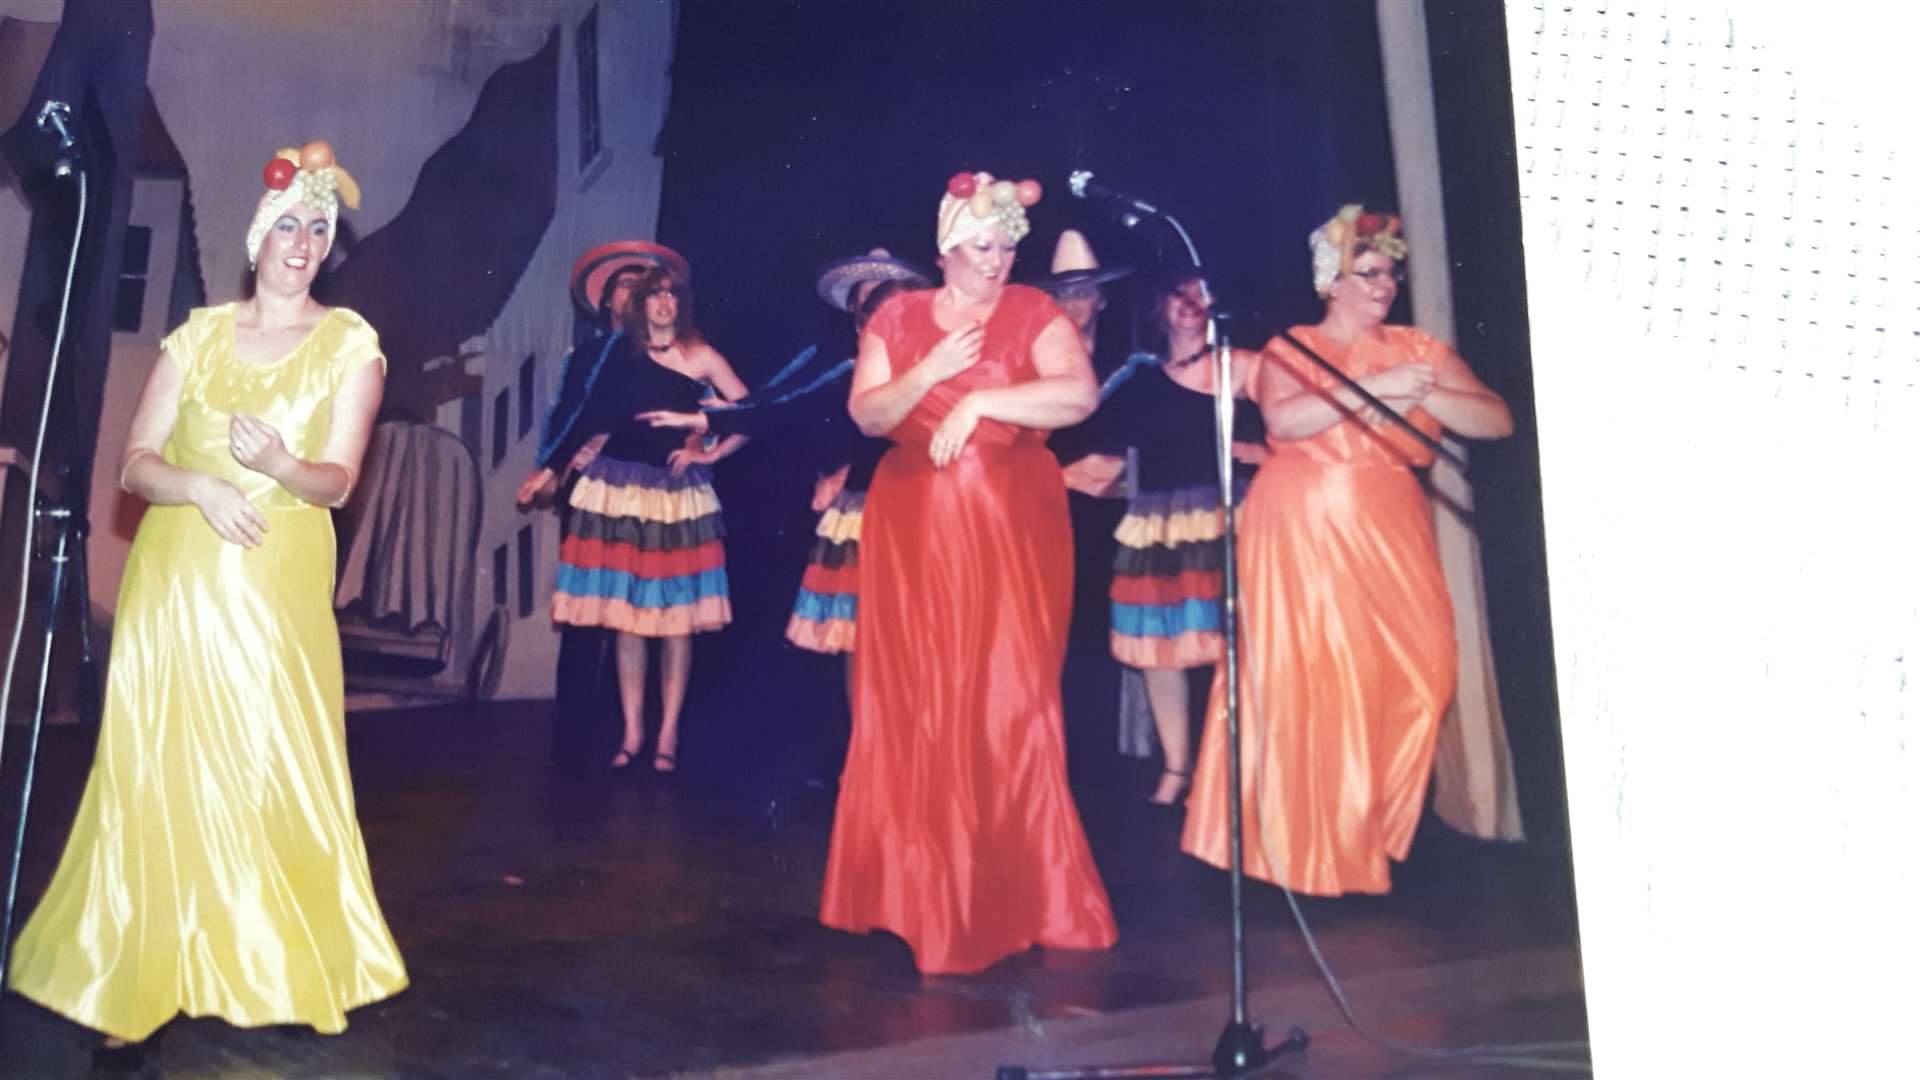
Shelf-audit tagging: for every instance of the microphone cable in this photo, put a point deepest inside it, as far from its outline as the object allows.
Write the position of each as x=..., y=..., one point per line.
x=1512, y=1055
x=26, y=569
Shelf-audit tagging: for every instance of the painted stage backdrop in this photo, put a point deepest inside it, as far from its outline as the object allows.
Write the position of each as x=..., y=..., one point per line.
x=493, y=141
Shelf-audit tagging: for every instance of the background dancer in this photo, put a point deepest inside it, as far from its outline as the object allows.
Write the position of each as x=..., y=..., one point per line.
x=826, y=609
x=1167, y=572
x=643, y=550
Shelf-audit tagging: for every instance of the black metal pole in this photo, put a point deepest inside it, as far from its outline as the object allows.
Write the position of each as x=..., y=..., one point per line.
x=63, y=519
x=1346, y=380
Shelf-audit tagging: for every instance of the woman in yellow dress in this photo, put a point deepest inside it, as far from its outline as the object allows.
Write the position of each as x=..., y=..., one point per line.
x=215, y=867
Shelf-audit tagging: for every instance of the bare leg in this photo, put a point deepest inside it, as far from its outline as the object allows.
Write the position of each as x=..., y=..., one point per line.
x=630, y=662
x=676, y=664
x=1167, y=699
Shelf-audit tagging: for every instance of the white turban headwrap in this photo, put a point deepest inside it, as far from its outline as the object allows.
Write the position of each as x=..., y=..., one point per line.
x=322, y=188
x=1334, y=243
x=962, y=219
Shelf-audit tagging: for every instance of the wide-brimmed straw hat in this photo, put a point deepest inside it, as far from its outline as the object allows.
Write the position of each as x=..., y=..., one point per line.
x=1074, y=264
x=839, y=278
x=592, y=270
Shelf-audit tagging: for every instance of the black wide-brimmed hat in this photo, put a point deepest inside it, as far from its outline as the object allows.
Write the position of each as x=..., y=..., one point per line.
x=1074, y=264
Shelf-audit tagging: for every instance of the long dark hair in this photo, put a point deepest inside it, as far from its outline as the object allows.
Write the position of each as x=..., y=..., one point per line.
x=653, y=279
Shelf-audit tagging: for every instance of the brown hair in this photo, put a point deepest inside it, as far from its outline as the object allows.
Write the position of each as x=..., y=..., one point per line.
x=653, y=279
x=1163, y=287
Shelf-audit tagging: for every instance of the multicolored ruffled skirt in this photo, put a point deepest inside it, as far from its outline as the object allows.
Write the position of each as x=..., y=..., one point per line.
x=1168, y=571
x=825, y=611
x=643, y=553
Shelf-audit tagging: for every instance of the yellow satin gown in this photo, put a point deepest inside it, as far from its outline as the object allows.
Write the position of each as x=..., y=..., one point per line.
x=215, y=867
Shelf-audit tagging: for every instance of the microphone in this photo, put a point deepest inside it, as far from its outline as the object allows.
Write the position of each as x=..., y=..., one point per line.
x=1080, y=183
x=54, y=118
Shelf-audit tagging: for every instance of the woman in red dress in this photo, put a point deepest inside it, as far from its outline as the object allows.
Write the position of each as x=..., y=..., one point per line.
x=1348, y=657
x=955, y=828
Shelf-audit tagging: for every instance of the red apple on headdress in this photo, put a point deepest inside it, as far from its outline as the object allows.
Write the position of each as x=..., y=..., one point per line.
x=278, y=173
x=1027, y=192
x=960, y=185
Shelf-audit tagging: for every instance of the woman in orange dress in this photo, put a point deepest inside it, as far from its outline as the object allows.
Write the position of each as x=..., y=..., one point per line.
x=955, y=829
x=1347, y=656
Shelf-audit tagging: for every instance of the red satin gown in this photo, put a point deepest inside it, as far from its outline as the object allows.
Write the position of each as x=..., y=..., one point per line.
x=1347, y=650
x=955, y=828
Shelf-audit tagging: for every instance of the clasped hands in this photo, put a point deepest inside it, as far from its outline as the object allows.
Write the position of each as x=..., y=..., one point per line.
x=257, y=445
x=1402, y=387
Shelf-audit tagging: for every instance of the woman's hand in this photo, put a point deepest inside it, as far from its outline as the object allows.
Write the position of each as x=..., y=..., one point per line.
x=1098, y=475
x=584, y=456
x=255, y=444
x=951, y=436
x=956, y=352
x=1403, y=386
x=537, y=488
x=1251, y=453
x=232, y=517
x=828, y=488
x=680, y=460
x=663, y=418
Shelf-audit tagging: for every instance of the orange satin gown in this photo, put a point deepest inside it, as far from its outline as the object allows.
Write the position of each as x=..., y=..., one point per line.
x=1346, y=641
x=955, y=828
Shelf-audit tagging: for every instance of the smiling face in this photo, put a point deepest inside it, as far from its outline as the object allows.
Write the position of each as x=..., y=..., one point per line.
x=977, y=268
x=1366, y=293
x=1184, y=310
x=294, y=248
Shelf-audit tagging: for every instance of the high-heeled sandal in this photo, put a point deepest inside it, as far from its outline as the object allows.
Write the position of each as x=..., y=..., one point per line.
x=672, y=766
x=623, y=758
x=1179, y=792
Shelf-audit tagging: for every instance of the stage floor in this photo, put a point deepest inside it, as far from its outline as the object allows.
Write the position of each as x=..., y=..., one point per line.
x=559, y=925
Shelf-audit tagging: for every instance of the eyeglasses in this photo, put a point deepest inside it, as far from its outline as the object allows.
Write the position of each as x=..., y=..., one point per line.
x=1398, y=274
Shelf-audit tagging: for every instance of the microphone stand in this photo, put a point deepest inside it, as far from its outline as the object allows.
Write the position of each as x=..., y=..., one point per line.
x=1241, y=1049
x=65, y=514
x=69, y=526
